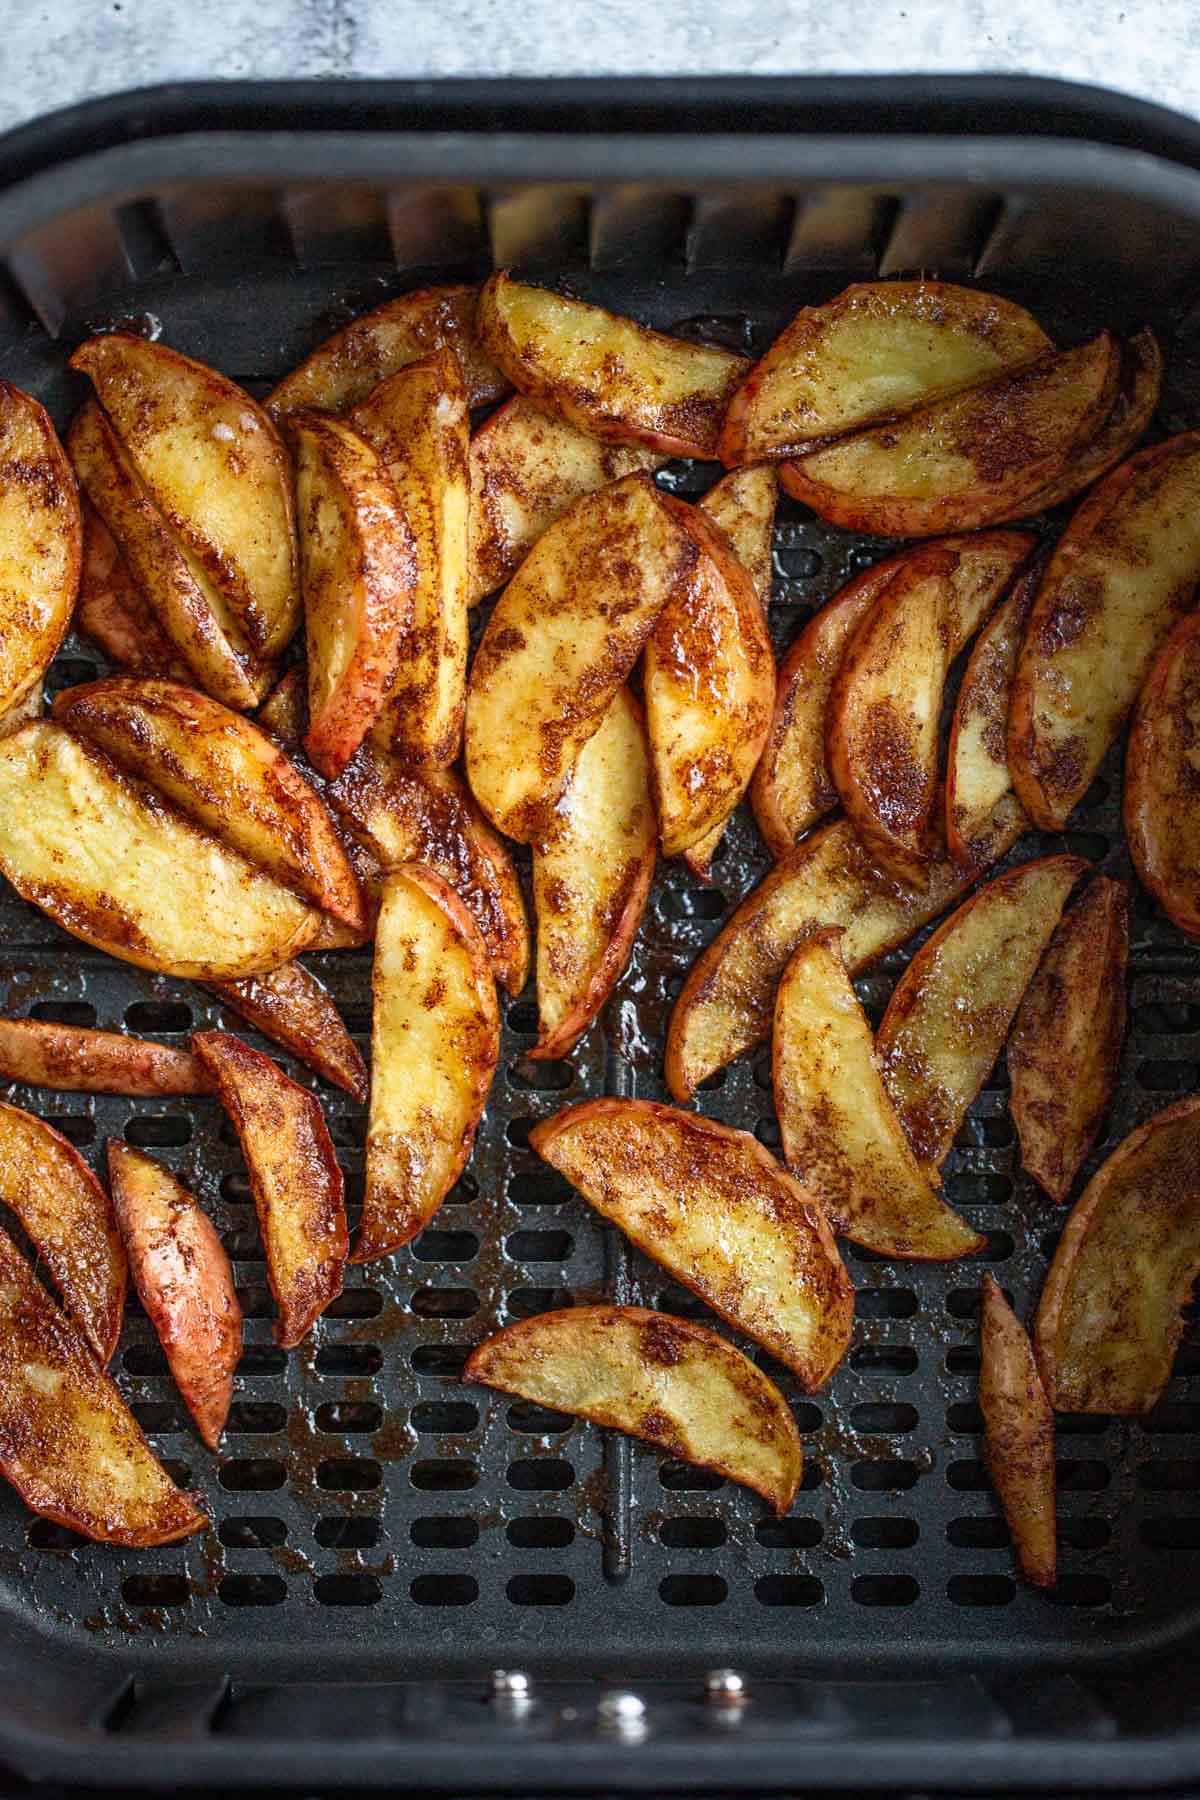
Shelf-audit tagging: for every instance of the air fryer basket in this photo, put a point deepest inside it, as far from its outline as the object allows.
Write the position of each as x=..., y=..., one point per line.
x=383, y=1538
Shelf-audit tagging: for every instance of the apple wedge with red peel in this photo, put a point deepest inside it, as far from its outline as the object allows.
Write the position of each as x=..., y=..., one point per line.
x=112, y=611
x=970, y=460
x=742, y=504
x=68, y=1443
x=215, y=468
x=1018, y=1440
x=1162, y=793
x=672, y=1383
x=725, y=1005
x=1065, y=1047
x=435, y=1043
x=225, y=774
x=563, y=637
x=591, y=878
x=1111, y=1313
x=294, y=1176
x=345, y=367
x=708, y=676
x=184, y=1282
x=982, y=810
x=419, y=424
x=715, y=1209
x=69, y=1221
x=1120, y=577
x=876, y=349
x=527, y=467
x=292, y=1008
x=841, y=1136
x=605, y=373
x=41, y=543
x=77, y=1059
x=112, y=864
x=1132, y=410
x=950, y=1013
x=792, y=787
x=398, y=815
x=359, y=568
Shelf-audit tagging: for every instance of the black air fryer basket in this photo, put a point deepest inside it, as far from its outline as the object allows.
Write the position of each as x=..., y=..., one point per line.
x=412, y=1583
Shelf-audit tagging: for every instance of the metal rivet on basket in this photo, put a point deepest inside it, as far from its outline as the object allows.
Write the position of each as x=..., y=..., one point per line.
x=623, y=1714
x=512, y=1686
x=725, y=1687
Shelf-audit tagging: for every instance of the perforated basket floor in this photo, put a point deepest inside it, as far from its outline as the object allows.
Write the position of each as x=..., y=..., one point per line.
x=371, y=1514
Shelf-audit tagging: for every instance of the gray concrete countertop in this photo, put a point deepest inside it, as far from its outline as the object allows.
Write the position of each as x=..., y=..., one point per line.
x=65, y=50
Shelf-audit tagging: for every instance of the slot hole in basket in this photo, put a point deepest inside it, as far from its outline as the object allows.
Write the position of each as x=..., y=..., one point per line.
x=540, y=1474
x=531, y=1077
x=155, y=1415
x=79, y=1130
x=884, y=1359
x=538, y=1187
x=156, y=1590
x=788, y=1590
x=252, y=1533
x=964, y=1416
x=1170, y=1533
x=883, y=1418
x=698, y=1533
x=444, y=1416
x=356, y=1303
x=444, y=1360
x=540, y=1590
x=693, y=1590
x=444, y=1590
x=885, y=1534
x=252, y=1590
x=1080, y=1590
x=44, y=1534
x=537, y=1421
x=446, y=1533
x=349, y=1475
x=886, y=1303
x=788, y=1534
x=446, y=1247
x=445, y=1303
x=144, y=1359
x=63, y=1012
x=349, y=1359
x=444, y=1475
x=980, y=1590
x=349, y=1416
x=882, y=1475
x=341, y=1531
x=685, y=1478
x=538, y=1246
x=525, y=1303
x=984, y=1533
x=1166, y=1018
x=523, y=1018
x=1174, y=1476
x=677, y=904
x=252, y=1475
x=161, y=1131
x=157, y=1015
x=1163, y=1077
x=540, y=1534
x=884, y=1590
x=352, y=1588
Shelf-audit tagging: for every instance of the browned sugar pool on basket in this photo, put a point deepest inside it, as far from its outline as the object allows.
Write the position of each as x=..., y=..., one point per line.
x=365, y=1502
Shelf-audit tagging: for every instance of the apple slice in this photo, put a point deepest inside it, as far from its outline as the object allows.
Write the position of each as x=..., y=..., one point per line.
x=1123, y=572
x=792, y=787
x=605, y=373
x=527, y=467
x=1111, y=1312
x=31, y=706
x=725, y=1005
x=224, y=774
x=874, y=350
x=841, y=1136
x=191, y=612
x=1018, y=1435
x=973, y=459
x=112, y=611
x=1065, y=1047
x=1162, y=806
x=359, y=564
x=399, y=815
x=115, y=866
x=216, y=469
x=981, y=808
x=68, y=1443
x=677, y=1385
x=591, y=877
x=562, y=639
x=76, y=1059
x=418, y=422
x=435, y=1042
x=344, y=369
x=1132, y=411
x=292, y=1008
x=70, y=1223
x=41, y=543
x=715, y=1208
x=949, y=1015
x=743, y=505
x=709, y=680
x=294, y=1175
x=184, y=1282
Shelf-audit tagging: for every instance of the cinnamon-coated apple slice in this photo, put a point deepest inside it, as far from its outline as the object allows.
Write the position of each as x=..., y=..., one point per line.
x=78, y=1059
x=41, y=543
x=982, y=809
x=1018, y=1435
x=1162, y=791
x=292, y=1008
